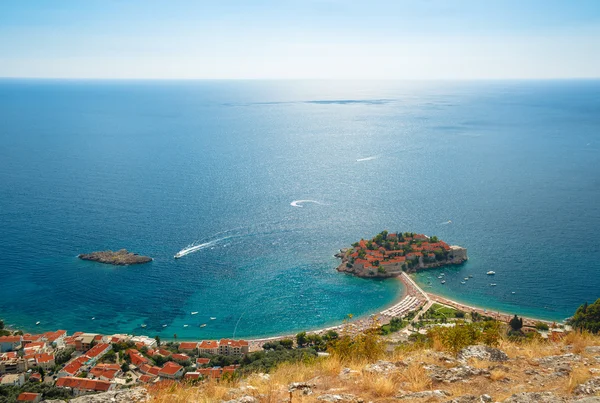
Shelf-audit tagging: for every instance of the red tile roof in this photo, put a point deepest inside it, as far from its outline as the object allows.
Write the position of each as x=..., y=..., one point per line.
x=44, y=357
x=202, y=361
x=180, y=357
x=75, y=365
x=233, y=343
x=10, y=339
x=170, y=368
x=188, y=346
x=35, y=377
x=208, y=344
x=97, y=350
x=147, y=378
x=28, y=397
x=83, y=384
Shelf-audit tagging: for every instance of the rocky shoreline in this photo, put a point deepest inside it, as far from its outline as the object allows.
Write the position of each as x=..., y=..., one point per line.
x=119, y=258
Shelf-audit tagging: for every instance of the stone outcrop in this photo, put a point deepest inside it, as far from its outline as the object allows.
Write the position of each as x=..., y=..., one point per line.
x=119, y=258
x=340, y=398
x=484, y=353
x=471, y=399
x=380, y=367
x=134, y=395
x=426, y=394
x=590, y=387
x=450, y=375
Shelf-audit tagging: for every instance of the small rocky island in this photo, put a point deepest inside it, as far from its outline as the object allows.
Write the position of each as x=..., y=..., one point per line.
x=119, y=258
x=389, y=254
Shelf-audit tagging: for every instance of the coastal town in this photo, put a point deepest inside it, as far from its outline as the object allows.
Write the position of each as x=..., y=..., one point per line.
x=84, y=363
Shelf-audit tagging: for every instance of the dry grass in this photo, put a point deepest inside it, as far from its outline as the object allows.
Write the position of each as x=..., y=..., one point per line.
x=376, y=385
x=579, y=341
x=577, y=377
x=498, y=374
x=412, y=377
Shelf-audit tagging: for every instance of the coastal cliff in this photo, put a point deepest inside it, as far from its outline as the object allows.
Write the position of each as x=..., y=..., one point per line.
x=119, y=258
x=389, y=254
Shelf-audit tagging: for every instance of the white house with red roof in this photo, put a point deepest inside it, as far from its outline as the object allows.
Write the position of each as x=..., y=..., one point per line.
x=233, y=347
x=208, y=347
x=10, y=343
x=83, y=385
x=29, y=397
x=171, y=370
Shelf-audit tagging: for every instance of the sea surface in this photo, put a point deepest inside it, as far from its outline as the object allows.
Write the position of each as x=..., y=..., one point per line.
x=152, y=166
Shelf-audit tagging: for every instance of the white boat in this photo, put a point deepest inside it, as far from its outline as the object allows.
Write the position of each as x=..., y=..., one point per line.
x=93, y=318
x=212, y=318
x=490, y=273
x=462, y=282
x=143, y=325
x=37, y=323
x=466, y=278
x=195, y=313
x=203, y=325
x=443, y=281
x=185, y=325
x=164, y=325
x=439, y=276
x=513, y=292
x=493, y=285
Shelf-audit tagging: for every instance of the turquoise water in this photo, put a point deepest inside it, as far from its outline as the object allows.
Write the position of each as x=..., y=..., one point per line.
x=154, y=166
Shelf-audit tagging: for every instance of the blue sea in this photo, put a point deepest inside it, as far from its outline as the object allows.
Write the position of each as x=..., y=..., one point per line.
x=152, y=166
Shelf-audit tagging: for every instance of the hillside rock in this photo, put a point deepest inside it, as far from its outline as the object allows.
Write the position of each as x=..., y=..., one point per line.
x=471, y=399
x=380, y=367
x=243, y=399
x=482, y=353
x=535, y=397
x=427, y=394
x=341, y=398
x=591, y=387
x=450, y=375
x=134, y=395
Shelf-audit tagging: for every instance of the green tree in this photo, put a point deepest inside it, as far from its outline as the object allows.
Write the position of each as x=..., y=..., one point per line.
x=516, y=323
x=125, y=367
x=157, y=338
x=381, y=270
x=587, y=317
x=301, y=339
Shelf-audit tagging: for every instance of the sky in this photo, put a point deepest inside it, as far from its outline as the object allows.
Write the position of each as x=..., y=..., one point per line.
x=300, y=39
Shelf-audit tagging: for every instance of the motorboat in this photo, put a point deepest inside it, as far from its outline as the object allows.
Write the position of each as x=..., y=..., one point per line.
x=203, y=325
x=185, y=325
x=195, y=313
x=462, y=282
x=493, y=285
x=143, y=325
x=212, y=318
x=490, y=273
x=443, y=281
x=37, y=323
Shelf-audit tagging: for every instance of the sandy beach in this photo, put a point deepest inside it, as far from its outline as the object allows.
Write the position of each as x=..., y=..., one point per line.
x=411, y=289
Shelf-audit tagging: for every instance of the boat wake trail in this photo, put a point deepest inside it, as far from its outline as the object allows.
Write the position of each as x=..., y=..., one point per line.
x=373, y=157
x=298, y=203
x=194, y=248
x=446, y=222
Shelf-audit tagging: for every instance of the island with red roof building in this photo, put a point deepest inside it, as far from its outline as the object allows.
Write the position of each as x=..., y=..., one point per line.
x=389, y=254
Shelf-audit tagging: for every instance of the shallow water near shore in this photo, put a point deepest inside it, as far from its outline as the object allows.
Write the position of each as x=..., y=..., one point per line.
x=154, y=166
